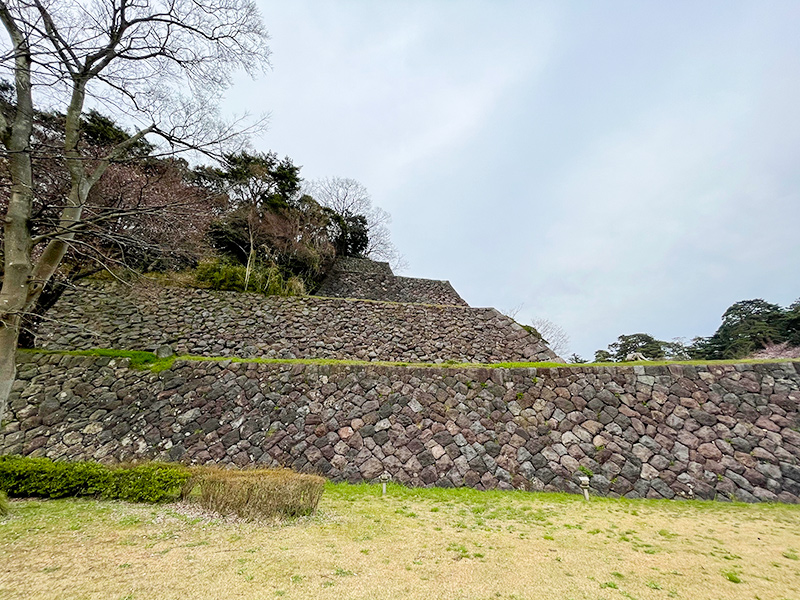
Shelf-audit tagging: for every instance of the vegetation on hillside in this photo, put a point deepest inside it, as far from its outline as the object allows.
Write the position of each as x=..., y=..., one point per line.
x=747, y=327
x=158, y=66
x=241, y=224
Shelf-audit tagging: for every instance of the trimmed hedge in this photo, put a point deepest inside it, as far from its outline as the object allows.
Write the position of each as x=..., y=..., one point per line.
x=41, y=477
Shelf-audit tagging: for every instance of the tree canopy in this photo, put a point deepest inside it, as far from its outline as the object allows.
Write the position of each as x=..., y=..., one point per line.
x=641, y=343
x=269, y=220
x=361, y=228
x=160, y=63
x=748, y=326
x=644, y=344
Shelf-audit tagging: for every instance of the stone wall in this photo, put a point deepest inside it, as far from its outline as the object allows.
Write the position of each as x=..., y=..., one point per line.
x=716, y=431
x=359, y=278
x=362, y=265
x=208, y=323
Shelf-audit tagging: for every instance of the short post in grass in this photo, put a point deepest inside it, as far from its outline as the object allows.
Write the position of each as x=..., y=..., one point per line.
x=384, y=478
x=689, y=493
x=584, y=481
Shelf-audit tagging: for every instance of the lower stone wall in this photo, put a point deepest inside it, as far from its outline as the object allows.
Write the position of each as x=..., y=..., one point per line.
x=716, y=431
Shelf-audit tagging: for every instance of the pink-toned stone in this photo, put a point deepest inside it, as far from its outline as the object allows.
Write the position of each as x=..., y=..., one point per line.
x=709, y=451
x=765, y=423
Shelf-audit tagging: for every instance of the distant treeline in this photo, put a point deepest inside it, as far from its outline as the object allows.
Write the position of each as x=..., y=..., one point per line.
x=747, y=327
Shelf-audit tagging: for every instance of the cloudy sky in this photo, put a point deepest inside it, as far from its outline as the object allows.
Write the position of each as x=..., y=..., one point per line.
x=614, y=167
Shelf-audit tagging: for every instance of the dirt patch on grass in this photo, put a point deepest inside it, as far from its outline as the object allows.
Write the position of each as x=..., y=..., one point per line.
x=411, y=544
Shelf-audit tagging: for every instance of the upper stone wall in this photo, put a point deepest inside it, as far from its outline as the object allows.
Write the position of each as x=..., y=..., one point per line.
x=362, y=265
x=372, y=280
x=209, y=323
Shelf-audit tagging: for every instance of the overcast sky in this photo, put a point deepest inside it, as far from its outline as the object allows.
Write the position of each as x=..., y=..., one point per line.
x=614, y=167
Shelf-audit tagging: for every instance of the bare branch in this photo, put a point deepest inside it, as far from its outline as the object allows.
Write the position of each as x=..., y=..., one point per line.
x=116, y=152
x=348, y=196
x=65, y=52
x=554, y=335
x=86, y=222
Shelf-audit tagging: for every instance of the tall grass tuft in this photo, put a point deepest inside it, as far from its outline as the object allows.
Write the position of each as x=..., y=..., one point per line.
x=256, y=493
x=3, y=504
x=266, y=279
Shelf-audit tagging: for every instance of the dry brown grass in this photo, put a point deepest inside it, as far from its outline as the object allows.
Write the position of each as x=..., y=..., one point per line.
x=419, y=544
x=256, y=493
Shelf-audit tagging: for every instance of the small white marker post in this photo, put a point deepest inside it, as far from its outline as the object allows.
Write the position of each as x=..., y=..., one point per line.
x=689, y=493
x=584, y=481
x=384, y=478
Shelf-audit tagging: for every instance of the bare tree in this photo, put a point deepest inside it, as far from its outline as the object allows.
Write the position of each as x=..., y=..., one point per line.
x=349, y=197
x=140, y=216
x=555, y=336
x=163, y=63
x=514, y=310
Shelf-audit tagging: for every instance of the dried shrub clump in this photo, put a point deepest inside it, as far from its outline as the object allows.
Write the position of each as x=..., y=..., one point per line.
x=256, y=493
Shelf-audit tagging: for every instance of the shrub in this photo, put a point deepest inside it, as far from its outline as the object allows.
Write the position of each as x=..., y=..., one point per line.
x=221, y=275
x=149, y=482
x=257, y=493
x=25, y=476
x=295, y=286
x=265, y=279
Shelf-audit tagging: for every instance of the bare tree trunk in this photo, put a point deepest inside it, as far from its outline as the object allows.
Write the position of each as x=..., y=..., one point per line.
x=8, y=365
x=18, y=288
x=249, y=270
x=71, y=214
x=250, y=257
x=15, y=295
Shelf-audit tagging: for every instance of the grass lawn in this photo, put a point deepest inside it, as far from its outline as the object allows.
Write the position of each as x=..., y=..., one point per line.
x=413, y=543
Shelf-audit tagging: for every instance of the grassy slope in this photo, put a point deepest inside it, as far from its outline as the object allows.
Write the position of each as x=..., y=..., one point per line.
x=414, y=543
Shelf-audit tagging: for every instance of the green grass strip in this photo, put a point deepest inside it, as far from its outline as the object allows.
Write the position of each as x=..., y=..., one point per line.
x=493, y=498
x=138, y=359
x=149, y=361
